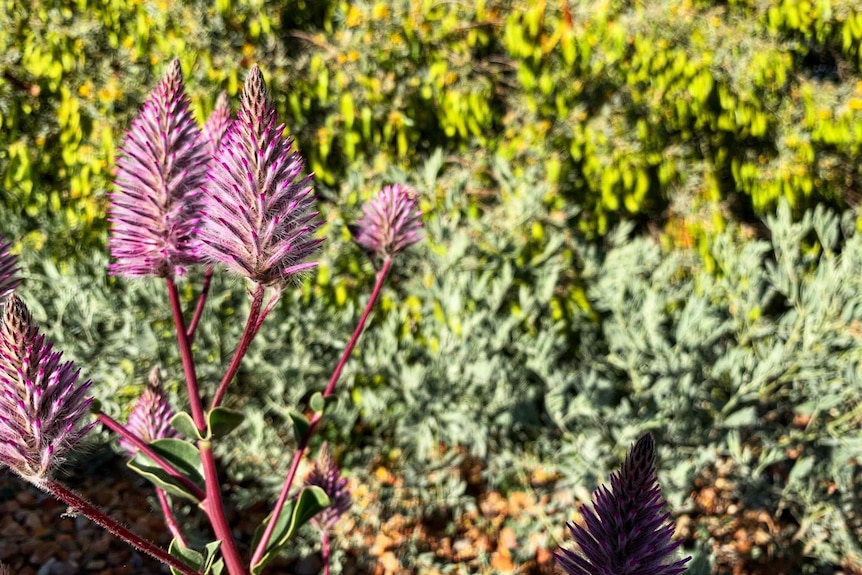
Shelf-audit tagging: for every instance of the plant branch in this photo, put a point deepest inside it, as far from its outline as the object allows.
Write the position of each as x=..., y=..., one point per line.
x=251, y=326
x=214, y=509
x=120, y=429
x=312, y=425
x=199, y=309
x=98, y=517
x=170, y=520
x=186, y=354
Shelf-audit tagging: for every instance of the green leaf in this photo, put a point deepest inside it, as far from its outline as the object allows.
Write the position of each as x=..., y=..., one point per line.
x=317, y=403
x=204, y=562
x=801, y=469
x=184, y=423
x=295, y=513
x=222, y=421
x=188, y=556
x=300, y=424
x=183, y=455
x=210, y=554
x=744, y=417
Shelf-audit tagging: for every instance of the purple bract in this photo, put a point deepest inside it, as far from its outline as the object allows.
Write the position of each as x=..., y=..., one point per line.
x=258, y=215
x=390, y=222
x=627, y=532
x=151, y=415
x=41, y=403
x=325, y=474
x=163, y=164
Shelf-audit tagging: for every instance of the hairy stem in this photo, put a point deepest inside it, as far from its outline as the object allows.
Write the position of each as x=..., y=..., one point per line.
x=312, y=425
x=186, y=354
x=214, y=509
x=169, y=468
x=170, y=520
x=98, y=517
x=251, y=326
x=325, y=551
x=199, y=309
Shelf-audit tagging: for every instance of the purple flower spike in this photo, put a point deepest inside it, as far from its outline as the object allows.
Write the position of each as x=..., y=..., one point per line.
x=154, y=211
x=627, y=532
x=325, y=474
x=390, y=222
x=217, y=124
x=9, y=279
x=41, y=403
x=258, y=215
x=151, y=415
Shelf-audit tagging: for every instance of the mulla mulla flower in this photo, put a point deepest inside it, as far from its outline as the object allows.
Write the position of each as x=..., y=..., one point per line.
x=627, y=532
x=163, y=163
x=217, y=124
x=9, y=279
x=42, y=404
x=257, y=212
x=390, y=222
x=325, y=474
x=151, y=415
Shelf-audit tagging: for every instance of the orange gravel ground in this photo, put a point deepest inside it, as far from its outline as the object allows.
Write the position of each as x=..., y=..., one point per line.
x=38, y=537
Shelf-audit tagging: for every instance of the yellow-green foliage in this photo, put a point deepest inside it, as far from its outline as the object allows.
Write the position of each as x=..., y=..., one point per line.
x=630, y=109
x=71, y=73
x=657, y=98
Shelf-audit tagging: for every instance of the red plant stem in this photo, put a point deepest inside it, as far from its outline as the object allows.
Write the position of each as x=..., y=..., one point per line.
x=186, y=355
x=212, y=504
x=300, y=449
x=169, y=468
x=170, y=520
x=202, y=300
x=372, y=301
x=98, y=517
x=251, y=327
x=324, y=549
x=215, y=511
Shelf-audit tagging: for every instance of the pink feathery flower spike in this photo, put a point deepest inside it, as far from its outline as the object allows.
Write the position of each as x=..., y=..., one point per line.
x=163, y=163
x=258, y=217
x=326, y=475
x=41, y=402
x=390, y=222
x=150, y=418
x=9, y=279
x=217, y=124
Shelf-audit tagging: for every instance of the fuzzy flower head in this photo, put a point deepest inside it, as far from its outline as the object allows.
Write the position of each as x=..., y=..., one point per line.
x=163, y=163
x=217, y=124
x=258, y=213
x=325, y=474
x=41, y=402
x=151, y=415
x=390, y=222
x=9, y=279
x=627, y=532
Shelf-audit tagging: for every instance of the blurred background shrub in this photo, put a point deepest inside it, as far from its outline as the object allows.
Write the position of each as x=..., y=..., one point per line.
x=639, y=217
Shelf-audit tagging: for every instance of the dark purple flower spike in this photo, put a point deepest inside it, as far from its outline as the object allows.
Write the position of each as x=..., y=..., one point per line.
x=325, y=474
x=259, y=219
x=627, y=532
x=9, y=279
x=390, y=222
x=41, y=402
x=151, y=415
x=162, y=166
